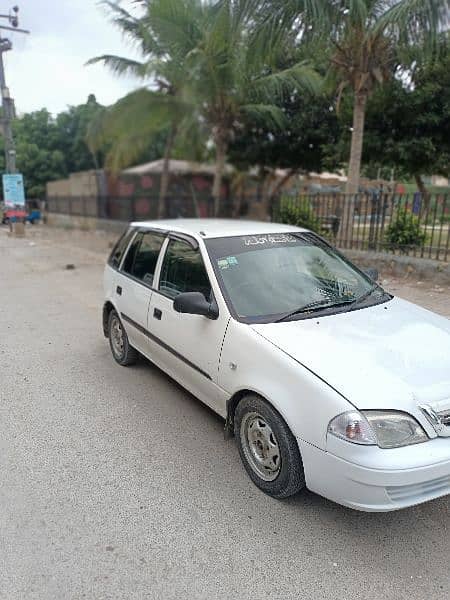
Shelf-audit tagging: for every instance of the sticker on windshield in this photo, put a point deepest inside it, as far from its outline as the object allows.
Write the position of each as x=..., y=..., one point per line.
x=229, y=261
x=264, y=240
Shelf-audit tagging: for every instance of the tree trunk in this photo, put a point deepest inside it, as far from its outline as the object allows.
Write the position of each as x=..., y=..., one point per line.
x=165, y=175
x=345, y=234
x=354, y=168
x=221, y=154
x=423, y=190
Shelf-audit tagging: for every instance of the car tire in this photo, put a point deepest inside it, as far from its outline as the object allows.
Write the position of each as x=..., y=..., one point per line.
x=123, y=353
x=268, y=449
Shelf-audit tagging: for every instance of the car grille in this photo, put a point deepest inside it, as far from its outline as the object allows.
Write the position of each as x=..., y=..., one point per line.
x=420, y=491
x=439, y=417
x=444, y=416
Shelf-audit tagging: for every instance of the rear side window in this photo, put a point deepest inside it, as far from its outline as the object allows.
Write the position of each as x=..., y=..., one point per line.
x=141, y=258
x=183, y=270
x=119, y=248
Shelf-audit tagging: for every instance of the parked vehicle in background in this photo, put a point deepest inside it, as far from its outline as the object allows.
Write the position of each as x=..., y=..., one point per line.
x=30, y=214
x=325, y=379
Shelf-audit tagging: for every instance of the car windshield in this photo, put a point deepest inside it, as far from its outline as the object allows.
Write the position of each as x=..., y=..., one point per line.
x=270, y=277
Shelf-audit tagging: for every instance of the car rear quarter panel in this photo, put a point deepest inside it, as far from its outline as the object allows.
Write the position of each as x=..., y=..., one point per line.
x=307, y=404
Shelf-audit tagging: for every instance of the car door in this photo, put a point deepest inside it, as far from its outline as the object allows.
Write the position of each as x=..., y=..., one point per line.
x=187, y=346
x=134, y=285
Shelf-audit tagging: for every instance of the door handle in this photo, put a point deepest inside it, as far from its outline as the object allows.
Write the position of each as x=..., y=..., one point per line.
x=157, y=314
x=119, y=290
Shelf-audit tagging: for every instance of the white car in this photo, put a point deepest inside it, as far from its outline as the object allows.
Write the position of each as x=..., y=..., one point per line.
x=326, y=380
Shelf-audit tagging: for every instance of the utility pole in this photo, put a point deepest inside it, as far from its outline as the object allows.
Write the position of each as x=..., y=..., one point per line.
x=7, y=102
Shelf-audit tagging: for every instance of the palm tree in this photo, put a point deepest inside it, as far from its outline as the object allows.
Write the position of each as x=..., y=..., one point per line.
x=232, y=77
x=366, y=39
x=159, y=106
x=199, y=55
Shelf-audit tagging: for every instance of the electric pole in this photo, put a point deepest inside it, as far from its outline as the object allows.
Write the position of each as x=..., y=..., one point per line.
x=7, y=102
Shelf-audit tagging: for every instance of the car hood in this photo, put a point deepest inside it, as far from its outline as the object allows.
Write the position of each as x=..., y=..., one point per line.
x=395, y=355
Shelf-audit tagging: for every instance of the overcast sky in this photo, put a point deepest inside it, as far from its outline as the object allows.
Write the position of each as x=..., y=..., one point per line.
x=46, y=68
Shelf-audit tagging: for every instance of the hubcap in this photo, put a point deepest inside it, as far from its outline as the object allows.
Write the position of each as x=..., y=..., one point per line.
x=260, y=446
x=117, y=336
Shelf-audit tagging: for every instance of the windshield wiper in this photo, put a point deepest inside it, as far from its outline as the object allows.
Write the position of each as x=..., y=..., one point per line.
x=366, y=294
x=321, y=304
x=312, y=307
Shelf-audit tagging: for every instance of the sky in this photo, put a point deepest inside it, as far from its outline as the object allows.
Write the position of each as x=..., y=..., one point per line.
x=46, y=68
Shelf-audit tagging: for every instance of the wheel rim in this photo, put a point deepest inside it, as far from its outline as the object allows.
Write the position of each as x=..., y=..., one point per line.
x=260, y=446
x=117, y=337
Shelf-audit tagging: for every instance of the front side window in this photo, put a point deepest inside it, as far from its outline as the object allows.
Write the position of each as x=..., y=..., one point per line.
x=266, y=277
x=142, y=256
x=183, y=270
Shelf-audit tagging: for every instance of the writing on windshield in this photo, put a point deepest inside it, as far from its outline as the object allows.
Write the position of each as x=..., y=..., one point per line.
x=258, y=240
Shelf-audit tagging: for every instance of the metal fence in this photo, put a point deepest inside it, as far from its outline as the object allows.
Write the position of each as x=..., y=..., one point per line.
x=401, y=224
x=134, y=208
x=411, y=225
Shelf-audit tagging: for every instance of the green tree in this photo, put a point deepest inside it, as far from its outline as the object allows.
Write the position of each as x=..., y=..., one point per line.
x=72, y=126
x=199, y=56
x=306, y=143
x=50, y=148
x=233, y=78
x=408, y=125
x=165, y=33
x=366, y=39
x=38, y=156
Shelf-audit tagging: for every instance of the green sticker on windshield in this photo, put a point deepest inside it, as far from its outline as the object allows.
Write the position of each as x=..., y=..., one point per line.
x=223, y=263
x=227, y=262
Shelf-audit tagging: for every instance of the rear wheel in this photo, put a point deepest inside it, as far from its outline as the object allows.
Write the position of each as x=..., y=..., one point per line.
x=267, y=448
x=121, y=350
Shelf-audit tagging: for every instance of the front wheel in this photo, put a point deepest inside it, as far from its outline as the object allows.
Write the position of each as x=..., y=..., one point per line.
x=267, y=448
x=121, y=350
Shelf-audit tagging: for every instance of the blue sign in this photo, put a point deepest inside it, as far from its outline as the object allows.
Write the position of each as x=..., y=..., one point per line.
x=13, y=191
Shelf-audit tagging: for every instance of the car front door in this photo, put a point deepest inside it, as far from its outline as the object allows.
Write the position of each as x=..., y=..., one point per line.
x=134, y=285
x=187, y=346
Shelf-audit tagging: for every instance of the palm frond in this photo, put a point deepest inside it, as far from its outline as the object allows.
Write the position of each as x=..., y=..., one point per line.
x=265, y=114
x=301, y=76
x=415, y=21
x=125, y=151
x=121, y=65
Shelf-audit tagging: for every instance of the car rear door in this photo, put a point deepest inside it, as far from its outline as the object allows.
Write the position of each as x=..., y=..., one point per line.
x=187, y=346
x=134, y=284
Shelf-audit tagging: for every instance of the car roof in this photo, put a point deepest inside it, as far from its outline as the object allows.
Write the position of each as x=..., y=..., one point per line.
x=215, y=228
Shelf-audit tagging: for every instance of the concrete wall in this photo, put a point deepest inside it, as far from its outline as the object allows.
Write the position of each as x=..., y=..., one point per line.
x=84, y=183
x=402, y=266
x=60, y=187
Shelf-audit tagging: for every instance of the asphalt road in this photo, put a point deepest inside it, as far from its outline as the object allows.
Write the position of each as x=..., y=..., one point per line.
x=117, y=484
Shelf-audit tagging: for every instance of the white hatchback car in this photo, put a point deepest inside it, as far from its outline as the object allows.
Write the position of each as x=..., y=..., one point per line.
x=325, y=379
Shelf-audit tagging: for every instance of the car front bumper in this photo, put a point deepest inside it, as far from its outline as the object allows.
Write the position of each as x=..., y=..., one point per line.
x=368, y=478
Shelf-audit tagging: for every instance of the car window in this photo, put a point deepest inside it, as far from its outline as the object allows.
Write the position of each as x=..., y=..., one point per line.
x=183, y=270
x=142, y=256
x=119, y=248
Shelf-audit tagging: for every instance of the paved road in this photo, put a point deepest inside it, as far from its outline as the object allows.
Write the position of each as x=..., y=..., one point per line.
x=117, y=484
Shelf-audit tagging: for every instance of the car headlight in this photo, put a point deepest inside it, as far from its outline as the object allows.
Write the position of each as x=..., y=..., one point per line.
x=387, y=429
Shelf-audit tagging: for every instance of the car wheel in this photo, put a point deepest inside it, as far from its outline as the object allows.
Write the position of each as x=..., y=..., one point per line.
x=121, y=350
x=267, y=448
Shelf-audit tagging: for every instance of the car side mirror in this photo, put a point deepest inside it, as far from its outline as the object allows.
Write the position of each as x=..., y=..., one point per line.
x=372, y=273
x=195, y=303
